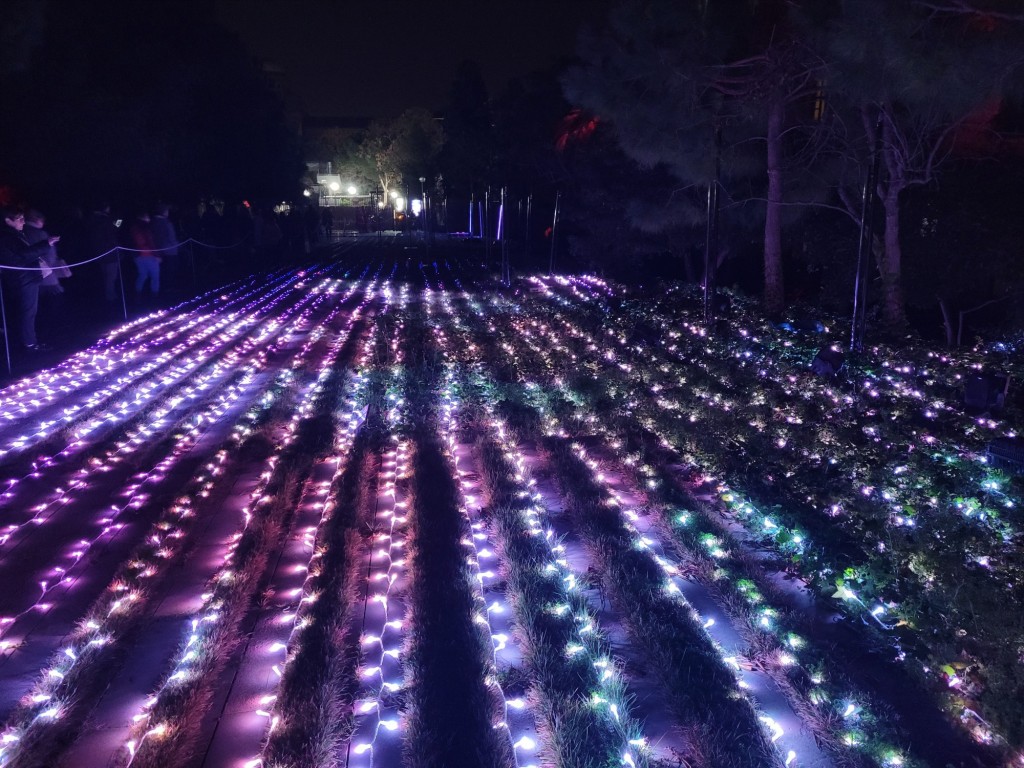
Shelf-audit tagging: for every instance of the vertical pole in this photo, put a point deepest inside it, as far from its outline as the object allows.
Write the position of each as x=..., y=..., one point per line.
x=554, y=229
x=506, y=275
x=867, y=217
x=7, y=329
x=526, y=234
x=711, y=239
x=472, y=205
x=485, y=228
x=120, y=279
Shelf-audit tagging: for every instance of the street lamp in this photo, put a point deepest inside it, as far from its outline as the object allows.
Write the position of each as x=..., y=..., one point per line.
x=352, y=189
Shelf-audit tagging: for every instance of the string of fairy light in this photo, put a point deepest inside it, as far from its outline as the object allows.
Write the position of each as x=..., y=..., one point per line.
x=58, y=387
x=301, y=562
x=492, y=611
x=378, y=727
x=850, y=707
x=767, y=528
x=747, y=683
x=608, y=693
x=108, y=524
x=197, y=650
x=873, y=386
x=122, y=600
x=214, y=357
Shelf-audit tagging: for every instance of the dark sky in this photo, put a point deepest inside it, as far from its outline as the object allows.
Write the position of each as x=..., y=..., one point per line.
x=375, y=58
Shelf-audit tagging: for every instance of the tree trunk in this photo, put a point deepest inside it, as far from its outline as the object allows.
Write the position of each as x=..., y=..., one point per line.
x=947, y=321
x=774, y=288
x=893, y=314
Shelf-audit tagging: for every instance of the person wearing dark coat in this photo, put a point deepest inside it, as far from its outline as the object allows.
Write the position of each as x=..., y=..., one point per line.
x=102, y=239
x=16, y=251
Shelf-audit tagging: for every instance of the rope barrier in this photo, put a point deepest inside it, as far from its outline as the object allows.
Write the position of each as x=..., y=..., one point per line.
x=191, y=240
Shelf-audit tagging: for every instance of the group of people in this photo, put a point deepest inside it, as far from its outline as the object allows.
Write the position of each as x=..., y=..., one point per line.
x=149, y=239
x=110, y=256
x=31, y=269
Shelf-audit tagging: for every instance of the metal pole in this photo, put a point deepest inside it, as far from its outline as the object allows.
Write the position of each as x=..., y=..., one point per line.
x=506, y=275
x=867, y=217
x=554, y=228
x=7, y=330
x=120, y=279
x=485, y=226
x=711, y=239
x=526, y=235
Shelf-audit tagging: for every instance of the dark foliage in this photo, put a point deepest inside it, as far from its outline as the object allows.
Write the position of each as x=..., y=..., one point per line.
x=129, y=102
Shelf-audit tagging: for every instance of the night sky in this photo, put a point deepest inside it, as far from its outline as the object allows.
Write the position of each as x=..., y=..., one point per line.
x=375, y=59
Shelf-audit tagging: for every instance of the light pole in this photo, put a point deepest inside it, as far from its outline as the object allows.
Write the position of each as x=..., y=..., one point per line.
x=423, y=200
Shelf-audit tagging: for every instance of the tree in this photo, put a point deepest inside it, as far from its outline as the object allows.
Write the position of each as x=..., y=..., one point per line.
x=671, y=75
x=920, y=75
x=468, y=153
x=406, y=147
x=163, y=103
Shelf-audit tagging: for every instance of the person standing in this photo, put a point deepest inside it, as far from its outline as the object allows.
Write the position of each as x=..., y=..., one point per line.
x=101, y=236
x=165, y=243
x=147, y=263
x=51, y=292
x=16, y=251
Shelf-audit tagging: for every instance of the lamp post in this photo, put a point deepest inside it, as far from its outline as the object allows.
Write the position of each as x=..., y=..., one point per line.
x=426, y=213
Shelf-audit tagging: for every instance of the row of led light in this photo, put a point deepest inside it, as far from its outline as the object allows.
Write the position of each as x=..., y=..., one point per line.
x=135, y=439
x=766, y=622
x=895, y=387
x=208, y=324
x=492, y=611
x=713, y=545
x=768, y=527
x=297, y=617
x=69, y=375
x=78, y=437
x=795, y=538
x=286, y=634
x=144, y=731
x=183, y=350
x=183, y=442
x=586, y=638
x=671, y=568
x=102, y=359
x=790, y=647
x=378, y=725
x=124, y=595
x=764, y=526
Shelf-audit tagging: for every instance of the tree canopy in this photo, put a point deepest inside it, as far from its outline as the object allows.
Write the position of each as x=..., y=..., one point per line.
x=163, y=102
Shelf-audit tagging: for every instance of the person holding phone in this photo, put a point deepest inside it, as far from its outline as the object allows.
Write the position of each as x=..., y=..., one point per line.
x=26, y=259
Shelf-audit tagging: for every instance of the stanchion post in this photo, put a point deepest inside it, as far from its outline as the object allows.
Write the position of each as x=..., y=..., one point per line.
x=120, y=279
x=7, y=330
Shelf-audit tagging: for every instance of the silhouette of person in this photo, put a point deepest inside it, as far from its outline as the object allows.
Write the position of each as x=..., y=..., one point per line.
x=16, y=251
x=147, y=263
x=165, y=243
x=101, y=237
